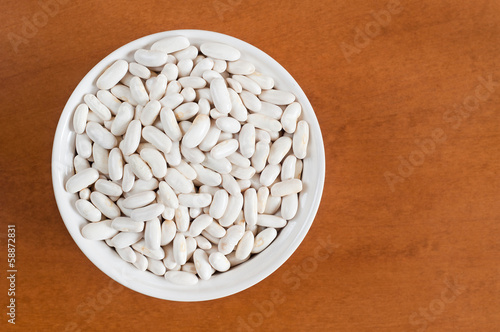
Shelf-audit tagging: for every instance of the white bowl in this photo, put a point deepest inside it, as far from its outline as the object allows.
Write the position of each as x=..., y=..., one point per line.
x=221, y=284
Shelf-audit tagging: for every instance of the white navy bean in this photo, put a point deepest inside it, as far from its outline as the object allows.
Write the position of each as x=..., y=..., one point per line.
x=101, y=156
x=115, y=164
x=224, y=149
x=234, y=206
x=185, y=66
x=264, y=239
x=157, y=137
x=202, y=66
x=127, y=254
x=125, y=224
x=171, y=100
x=262, y=136
x=195, y=212
x=80, y=163
x=110, y=101
x=288, y=168
x=123, y=92
x=139, y=70
x=289, y=206
x=181, y=278
x=238, y=110
x=139, y=200
x=168, y=231
x=105, y=205
x=150, y=58
x=148, y=212
x=250, y=206
x=262, y=196
x=189, y=94
x=219, y=204
x=190, y=52
x=80, y=118
x=248, y=84
x=202, y=242
x=221, y=166
x=150, y=112
x=199, y=224
x=168, y=213
x=229, y=241
x=156, y=266
x=152, y=234
x=242, y=173
x=228, y=124
x=204, y=105
x=128, y=178
x=158, y=88
x=180, y=249
x=192, y=82
x=171, y=44
x=245, y=246
x=125, y=239
x=98, y=230
x=197, y=131
x=186, y=111
x=188, y=267
x=112, y=75
x=210, y=75
x=108, y=188
x=132, y=138
x=193, y=155
x=141, y=262
x=174, y=158
x=203, y=267
x=168, y=197
x=277, y=97
x=138, y=91
x=156, y=162
x=143, y=185
x=240, y=67
x=170, y=124
x=286, y=187
x=220, y=66
x=207, y=176
x=190, y=247
x=220, y=95
x=100, y=135
x=186, y=170
x=141, y=248
x=219, y=262
x=250, y=101
x=97, y=107
x=195, y=200
x=220, y=51
x=301, y=139
x=123, y=117
x=84, y=194
x=81, y=180
x=265, y=122
x=238, y=160
x=230, y=185
x=273, y=205
x=265, y=82
x=139, y=167
x=178, y=181
x=266, y=220
x=271, y=110
x=88, y=210
x=210, y=139
x=290, y=116
x=279, y=150
x=182, y=218
x=234, y=84
x=247, y=140
x=171, y=71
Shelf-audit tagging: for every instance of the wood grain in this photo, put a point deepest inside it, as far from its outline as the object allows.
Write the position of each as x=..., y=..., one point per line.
x=420, y=255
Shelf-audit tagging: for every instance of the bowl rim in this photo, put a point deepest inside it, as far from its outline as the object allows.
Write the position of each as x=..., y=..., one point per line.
x=122, y=275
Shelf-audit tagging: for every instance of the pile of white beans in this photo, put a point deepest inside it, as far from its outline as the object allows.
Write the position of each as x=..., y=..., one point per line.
x=188, y=160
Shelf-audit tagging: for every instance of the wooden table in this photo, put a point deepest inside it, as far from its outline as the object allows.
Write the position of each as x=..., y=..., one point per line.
x=407, y=234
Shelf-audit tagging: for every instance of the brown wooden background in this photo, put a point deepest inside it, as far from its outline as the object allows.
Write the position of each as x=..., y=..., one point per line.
x=422, y=257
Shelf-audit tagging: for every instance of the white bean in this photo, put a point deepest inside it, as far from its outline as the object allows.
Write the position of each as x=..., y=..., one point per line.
x=99, y=230
x=301, y=139
x=263, y=239
x=88, y=210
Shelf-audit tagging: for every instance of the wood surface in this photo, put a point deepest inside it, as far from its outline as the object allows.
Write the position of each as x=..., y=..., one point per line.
x=407, y=234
